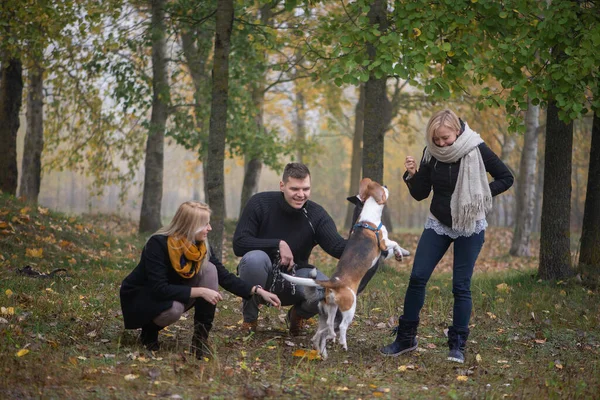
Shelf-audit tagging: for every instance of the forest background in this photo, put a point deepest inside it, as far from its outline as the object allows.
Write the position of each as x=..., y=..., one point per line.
x=130, y=107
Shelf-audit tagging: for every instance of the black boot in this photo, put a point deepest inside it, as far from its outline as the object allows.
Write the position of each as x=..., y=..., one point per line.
x=406, y=338
x=204, y=313
x=457, y=341
x=200, y=346
x=149, y=336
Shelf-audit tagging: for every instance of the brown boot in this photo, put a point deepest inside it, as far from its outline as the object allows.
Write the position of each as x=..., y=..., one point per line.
x=296, y=323
x=250, y=327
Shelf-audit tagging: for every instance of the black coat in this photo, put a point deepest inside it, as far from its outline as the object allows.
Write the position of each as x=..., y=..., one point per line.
x=267, y=219
x=153, y=285
x=442, y=178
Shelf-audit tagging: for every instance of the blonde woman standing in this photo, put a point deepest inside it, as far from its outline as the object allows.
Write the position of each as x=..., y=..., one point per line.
x=455, y=165
x=177, y=270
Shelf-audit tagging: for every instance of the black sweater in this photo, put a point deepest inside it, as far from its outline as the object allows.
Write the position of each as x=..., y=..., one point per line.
x=153, y=285
x=268, y=218
x=442, y=178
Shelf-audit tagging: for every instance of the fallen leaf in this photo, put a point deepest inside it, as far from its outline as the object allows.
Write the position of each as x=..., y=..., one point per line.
x=35, y=253
x=8, y=292
x=25, y=210
x=431, y=346
x=22, y=352
x=462, y=378
x=42, y=210
x=502, y=288
x=402, y=368
x=478, y=358
x=130, y=377
x=3, y=225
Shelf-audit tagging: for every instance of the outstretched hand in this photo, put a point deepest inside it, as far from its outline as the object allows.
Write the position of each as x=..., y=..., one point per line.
x=270, y=298
x=212, y=296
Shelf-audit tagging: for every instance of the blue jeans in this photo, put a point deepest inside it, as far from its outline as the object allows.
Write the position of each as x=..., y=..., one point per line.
x=430, y=250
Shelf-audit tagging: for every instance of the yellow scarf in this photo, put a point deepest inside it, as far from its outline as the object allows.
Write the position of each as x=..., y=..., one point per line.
x=185, y=257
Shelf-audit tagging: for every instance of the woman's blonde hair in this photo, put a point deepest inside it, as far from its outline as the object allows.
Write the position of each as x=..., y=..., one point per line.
x=190, y=217
x=445, y=118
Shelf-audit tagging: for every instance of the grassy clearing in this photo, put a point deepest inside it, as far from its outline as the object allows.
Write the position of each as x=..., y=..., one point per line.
x=63, y=337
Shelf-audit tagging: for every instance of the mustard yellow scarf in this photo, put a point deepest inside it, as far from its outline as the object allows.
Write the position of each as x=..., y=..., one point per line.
x=185, y=256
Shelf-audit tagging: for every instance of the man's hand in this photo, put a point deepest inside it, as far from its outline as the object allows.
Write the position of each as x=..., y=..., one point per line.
x=286, y=256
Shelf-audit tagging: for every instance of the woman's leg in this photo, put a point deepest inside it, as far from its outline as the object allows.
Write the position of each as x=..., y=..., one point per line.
x=466, y=251
x=430, y=250
x=204, y=312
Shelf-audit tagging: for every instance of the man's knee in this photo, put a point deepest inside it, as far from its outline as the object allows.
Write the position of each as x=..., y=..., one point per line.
x=254, y=259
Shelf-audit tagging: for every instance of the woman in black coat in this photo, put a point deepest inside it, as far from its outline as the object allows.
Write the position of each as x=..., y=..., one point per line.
x=177, y=270
x=455, y=165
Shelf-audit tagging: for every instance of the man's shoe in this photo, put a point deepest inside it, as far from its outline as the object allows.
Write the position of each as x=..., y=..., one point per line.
x=250, y=327
x=296, y=323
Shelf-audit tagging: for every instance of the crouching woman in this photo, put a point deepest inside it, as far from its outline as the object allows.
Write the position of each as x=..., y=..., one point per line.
x=177, y=271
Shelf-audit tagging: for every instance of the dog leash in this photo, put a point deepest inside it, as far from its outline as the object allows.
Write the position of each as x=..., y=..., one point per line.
x=277, y=275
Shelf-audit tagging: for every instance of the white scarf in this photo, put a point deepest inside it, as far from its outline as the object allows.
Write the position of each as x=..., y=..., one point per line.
x=472, y=197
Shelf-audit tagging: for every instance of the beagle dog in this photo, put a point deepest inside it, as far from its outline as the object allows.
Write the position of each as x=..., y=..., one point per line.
x=368, y=242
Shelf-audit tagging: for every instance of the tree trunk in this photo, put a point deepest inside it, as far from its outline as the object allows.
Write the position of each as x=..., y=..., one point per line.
x=590, y=234
x=375, y=104
x=555, y=237
x=150, y=219
x=252, y=171
x=355, y=168
x=526, y=185
x=300, y=106
x=11, y=92
x=218, y=122
x=31, y=165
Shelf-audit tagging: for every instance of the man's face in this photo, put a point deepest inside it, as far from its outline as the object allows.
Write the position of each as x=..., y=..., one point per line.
x=296, y=191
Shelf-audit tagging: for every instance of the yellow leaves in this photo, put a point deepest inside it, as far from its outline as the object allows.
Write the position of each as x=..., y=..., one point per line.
x=416, y=32
x=35, y=253
x=503, y=288
x=478, y=358
x=72, y=261
x=24, y=210
x=491, y=315
x=311, y=355
x=462, y=378
x=22, y=352
x=402, y=368
x=42, y=210
x=3, y=225
x=131, y=377
x=7, y=310
x=8, y=293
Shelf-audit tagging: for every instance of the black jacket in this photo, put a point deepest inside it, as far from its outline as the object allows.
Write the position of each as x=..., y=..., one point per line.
x=268, y=218
x=442, y=178
x=153, y=285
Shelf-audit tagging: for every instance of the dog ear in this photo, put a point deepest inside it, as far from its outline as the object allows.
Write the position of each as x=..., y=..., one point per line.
x=377, y=192
x=363, y=189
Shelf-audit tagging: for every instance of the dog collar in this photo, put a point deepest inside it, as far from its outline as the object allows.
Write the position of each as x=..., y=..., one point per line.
x=369, y=227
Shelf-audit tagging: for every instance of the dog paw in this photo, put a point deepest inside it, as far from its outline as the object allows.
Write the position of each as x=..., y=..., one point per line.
x=400, y=253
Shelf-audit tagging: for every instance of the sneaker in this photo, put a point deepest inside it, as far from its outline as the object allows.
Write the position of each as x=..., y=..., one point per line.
x=456, y=356
x=296, y=323
x=250, y=327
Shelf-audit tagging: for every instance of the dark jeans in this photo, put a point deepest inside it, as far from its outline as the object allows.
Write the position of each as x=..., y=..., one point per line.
x=430, y=250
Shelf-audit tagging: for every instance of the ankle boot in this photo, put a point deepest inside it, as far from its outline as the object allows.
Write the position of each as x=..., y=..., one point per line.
x=200, y=347
x=204, y=313
x=406, y=338
x=457, y=342
x=296, y=322
x=149, y=336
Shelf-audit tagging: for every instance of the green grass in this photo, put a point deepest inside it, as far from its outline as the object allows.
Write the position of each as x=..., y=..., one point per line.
x=530, y=339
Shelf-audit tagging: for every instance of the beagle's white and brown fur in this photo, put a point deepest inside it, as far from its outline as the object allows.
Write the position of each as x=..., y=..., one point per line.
x=368, y=242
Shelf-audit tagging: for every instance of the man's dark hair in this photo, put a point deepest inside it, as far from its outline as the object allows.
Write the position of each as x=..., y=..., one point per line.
x=296, y=171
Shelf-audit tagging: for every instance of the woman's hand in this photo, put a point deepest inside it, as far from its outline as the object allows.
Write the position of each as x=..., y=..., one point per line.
x=212, y=296
x=410, y=165
x=269, y=297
